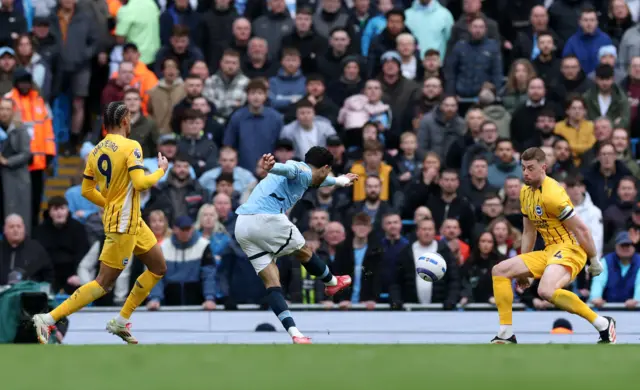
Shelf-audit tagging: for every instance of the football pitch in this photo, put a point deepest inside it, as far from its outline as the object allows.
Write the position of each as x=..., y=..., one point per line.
x=322, y=367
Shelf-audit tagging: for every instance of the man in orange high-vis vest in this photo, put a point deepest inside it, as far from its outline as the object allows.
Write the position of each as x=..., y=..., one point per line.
x=33, y=112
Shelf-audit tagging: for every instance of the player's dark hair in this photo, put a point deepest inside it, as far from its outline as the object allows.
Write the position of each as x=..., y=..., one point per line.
x=361, y=218
x=572, y=181
x=225, y=176
x=113, y=114
x=533, y=154
x=318, y=157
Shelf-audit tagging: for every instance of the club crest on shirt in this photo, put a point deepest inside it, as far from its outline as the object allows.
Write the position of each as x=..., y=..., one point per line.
x=137, y=153
x=125, y=261
x=538, y=211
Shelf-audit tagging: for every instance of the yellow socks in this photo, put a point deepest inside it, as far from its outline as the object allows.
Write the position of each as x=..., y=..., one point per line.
x=503, y=294
x=568, y=301
x=83, y=296
x=139, y=292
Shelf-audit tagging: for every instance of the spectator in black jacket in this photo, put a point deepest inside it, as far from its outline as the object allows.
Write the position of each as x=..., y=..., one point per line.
x=547, y=64
x=447, y=204
x=476, y=271
x=178, y=13
x=316, y=94
x=385, y=41
x=329, y=63
x=22, y=258
x=179, y=194
x=409, y=288
x=258, y=62
x=12, y=23
x=181, y=48
x=304, y=38
x=572, y=80
x=200, y=150
x=334, y=202
x=527, y=43
x=66, y=242
x=193, y=86
x=360, y=257
x=602, y=177
x=214, y=31
x=616, y=216
x=350, y=81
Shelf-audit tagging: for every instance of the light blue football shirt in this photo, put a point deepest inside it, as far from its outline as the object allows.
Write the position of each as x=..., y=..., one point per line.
x=281, y=189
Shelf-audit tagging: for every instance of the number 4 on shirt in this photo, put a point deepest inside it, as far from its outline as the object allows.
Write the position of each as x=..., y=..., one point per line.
x=558, y=255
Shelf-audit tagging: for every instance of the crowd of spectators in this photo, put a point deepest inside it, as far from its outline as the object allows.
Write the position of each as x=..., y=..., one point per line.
x=430, y=102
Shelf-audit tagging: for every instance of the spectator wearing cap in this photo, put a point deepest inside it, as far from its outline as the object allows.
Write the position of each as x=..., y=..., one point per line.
x=602, y=177
x=144, y=80
x=307, y=130
x=12, y=22
x=228, y=163
x=274, y=26
x=168, y=146
x=22, y=257
x=34, y=63
x=166, y=95
x=619, y=281
x=66, y=242
x=587, y=41
x=14, y=165
x=305, y=38
x=608, y=99
x=32, y=111
x=215, y=31
x=79, y=41
x=315, y=88
x=473, y=62
x=586, y=210
x=181, y=47
x=386, y=41
x=138, y=22
x=253, y=130
x=349, y=82
x=200, y=150
x=431, y=23
x=617, y=215
x=607, y=55
x=227, y=87
x=179, y=13
x=336, y=148
x=179, y=194
x=7, y=67
x=45, y=42
x=191, y=269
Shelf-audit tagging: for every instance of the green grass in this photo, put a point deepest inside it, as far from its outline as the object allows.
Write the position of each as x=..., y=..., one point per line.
x=322, y=367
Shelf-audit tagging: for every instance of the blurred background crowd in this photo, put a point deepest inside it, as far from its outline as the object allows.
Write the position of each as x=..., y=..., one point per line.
x=430, y=102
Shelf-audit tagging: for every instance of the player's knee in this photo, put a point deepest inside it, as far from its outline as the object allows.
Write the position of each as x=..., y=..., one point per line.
x=546, y=292
x=499, y=270
x=160, y=269
x=106, y=282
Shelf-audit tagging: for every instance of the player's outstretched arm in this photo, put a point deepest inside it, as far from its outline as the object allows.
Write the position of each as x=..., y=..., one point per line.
x=340, y=181
x=270, y=165
x=529, y=235
x=581, y=231
x=142, y=182
x=90, y=192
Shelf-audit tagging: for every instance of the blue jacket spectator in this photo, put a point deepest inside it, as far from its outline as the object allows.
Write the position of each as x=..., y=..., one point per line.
x=620, y=278
x=474, y=62
x=191, y=270
x=253, y=132
x=431, y=24
x=504, y=165
x=373, y=28
x=179, y=13
x=79, y=207
x=286, y=88
x=587, y=41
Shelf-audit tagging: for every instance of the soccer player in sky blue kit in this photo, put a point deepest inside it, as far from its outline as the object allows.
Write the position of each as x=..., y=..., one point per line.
x=265, y=233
